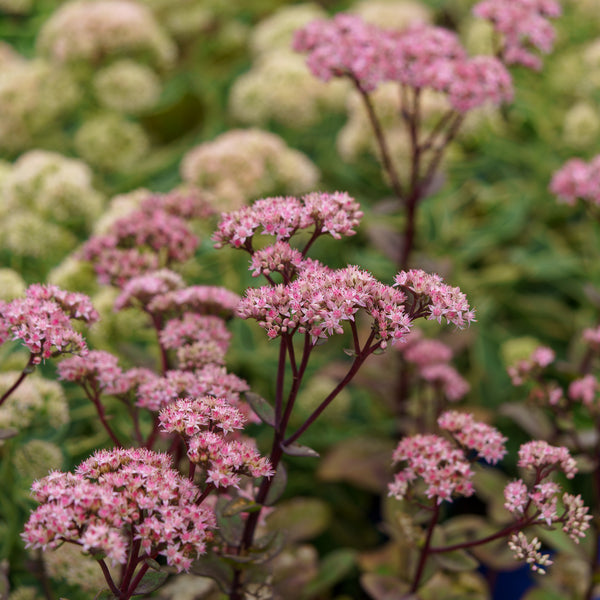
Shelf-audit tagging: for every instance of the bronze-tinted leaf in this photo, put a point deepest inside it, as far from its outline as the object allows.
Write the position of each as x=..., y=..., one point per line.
x=300, y=518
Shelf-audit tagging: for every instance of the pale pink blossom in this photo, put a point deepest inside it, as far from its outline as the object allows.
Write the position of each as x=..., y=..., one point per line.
x=118, y=496
x=445, y=377
x=516, y=497
x=336, y=214
x=523, y=26
x=423, y=352
x=577, y=179
x=189, y=416
x=202, y=299
x=442, y=467
x=277, y=258
x=584, y=389
x=433, y=298
x=191, y=328
x=154, y=236
x=343, y=46
x=592, y=337
x=529, y=551
x=486, y=440
x=543, y=457
x=98, y=368
x=577, y=519
x=226, y=461
x=528, y=368
x=141, y=290
x=422, y=56
x=320, y=300
x=42, y=321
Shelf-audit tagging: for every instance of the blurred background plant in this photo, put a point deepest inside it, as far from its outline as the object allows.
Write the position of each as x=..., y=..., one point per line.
x=99, y=98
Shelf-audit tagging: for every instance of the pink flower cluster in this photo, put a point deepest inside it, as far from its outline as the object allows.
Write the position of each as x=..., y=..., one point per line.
x=198, y=339
x=277, y=258
x=42, y=321
x=486, y=440
x=203, y=423
x=577, y=179
x=115, y=498
x=443, y=468
x=337, y=214
x=585, y=390
x=343, y=46
x=525, y=369
x=155, y=235
x=421, y=56
x=97, y=368
x=432, y=357
x=544, y=458
x=539, y=502
x=202, y=299
x=529, y=551
x=442, y=465
x=154, y=392
x=592, y=337
x=142, y=289
x=523, y=25
x=320, y=300
x=432, y=297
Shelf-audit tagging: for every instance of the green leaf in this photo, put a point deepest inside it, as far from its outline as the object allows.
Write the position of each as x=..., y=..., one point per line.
x=334, y=567
x=238, y=505
x=230, y=527
x=151, y=581
x=263, y=410
x=153, y=564
x=278, y=485
x=299, y=450
x=267, y=547
x=543, y=594
x=457, y=560
x=300, y=518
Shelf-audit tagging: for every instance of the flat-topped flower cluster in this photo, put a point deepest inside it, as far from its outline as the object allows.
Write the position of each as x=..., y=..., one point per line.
x=42, y=321
x=337, y=214
x=422, y=56
x=523, y=26
x=443, y=465
x=118, y=498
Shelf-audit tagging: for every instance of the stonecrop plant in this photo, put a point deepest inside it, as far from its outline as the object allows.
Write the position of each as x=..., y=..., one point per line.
x=310, y=359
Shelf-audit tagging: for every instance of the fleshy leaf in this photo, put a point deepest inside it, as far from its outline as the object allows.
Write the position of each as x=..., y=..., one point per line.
x=151, y=581
x=230, y=527
x=299, y=450
x=278, y=485
x=216, y=568
x=300, y=518
x=334, y=567
x=385, y=587
x=238, y=505
x=364, y=462
x=263, y=410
